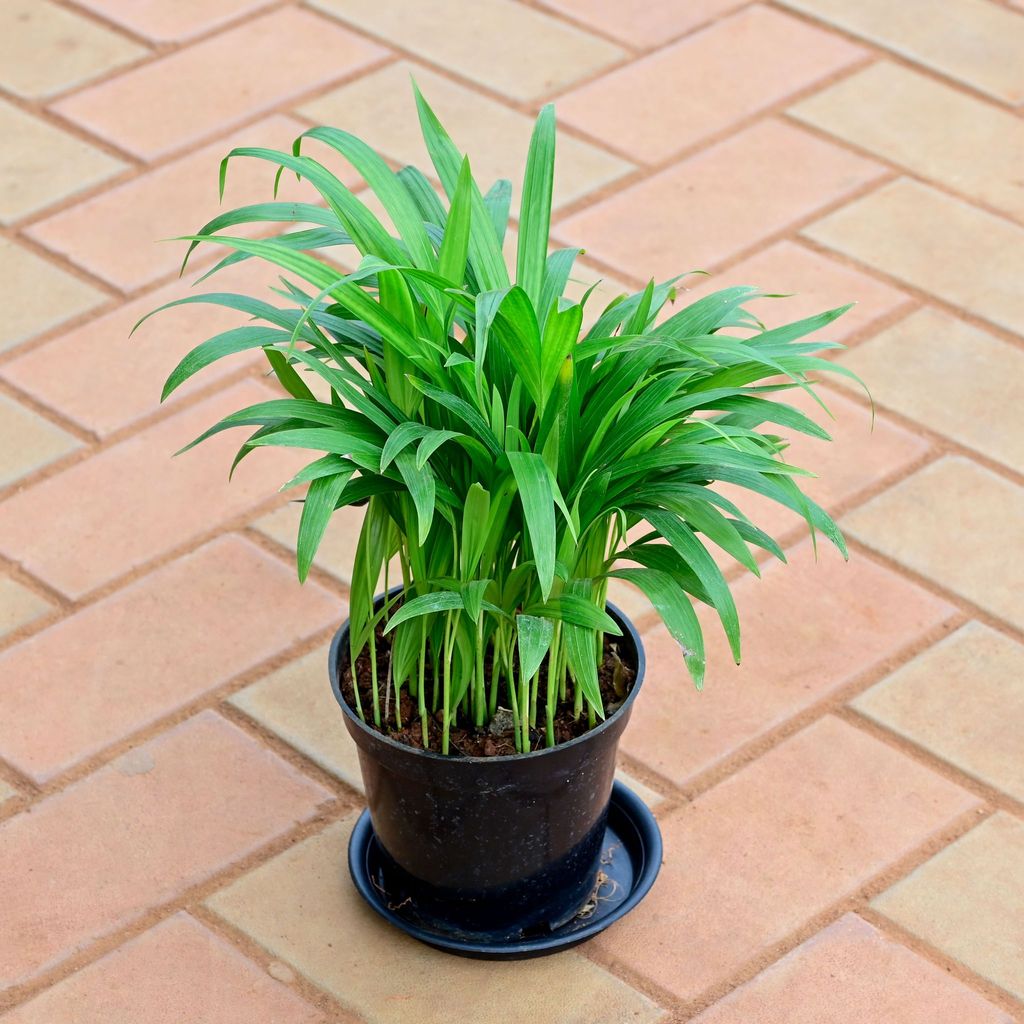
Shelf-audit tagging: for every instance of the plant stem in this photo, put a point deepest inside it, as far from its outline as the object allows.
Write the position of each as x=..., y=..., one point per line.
x=373, y=677
x=524, y=704
x=513, y=700
x=446, y=720
x=549, y=706
x=479, y=694
x=421, y=695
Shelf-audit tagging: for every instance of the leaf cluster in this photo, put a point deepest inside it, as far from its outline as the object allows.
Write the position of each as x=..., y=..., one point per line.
x=511, y=462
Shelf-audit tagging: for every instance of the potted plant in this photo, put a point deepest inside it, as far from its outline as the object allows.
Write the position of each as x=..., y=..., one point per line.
x=510, y=463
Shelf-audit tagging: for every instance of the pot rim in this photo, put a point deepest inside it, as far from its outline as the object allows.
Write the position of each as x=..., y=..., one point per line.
x=628, y=629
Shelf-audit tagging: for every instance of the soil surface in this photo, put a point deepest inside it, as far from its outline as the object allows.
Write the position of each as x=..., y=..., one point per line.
x=493, y=738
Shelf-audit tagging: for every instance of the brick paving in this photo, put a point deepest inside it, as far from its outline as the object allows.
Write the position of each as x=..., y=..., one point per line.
x=843, y=815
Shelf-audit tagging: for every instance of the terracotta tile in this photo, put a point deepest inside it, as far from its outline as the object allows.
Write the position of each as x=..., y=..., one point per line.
x=847, y=974
x=36, y=295
x=987, y=56
x=303, y=909
x=649, y=24
x=666, y=102
x=808, y=629
x=649, y=796
x=810, y=283
x=193, y=93
x=968, y=901
x=955, y=523
x=337, y=549
x=108, y=381
x=924, y=701
x=754, y=858
x=512, y=48
x=296, y=702
x=137, y=833
x=714, y=204
x=122, y=235
x=45, y=48
x=178, y=971
x=379, y=108
x=126, y=656
x=35, y=442
x=905, y=228
x=166, y=23
x=931, y=129
x=19, y=606
x=965, y=383
x=133, y=502
x=860, y=454
x=40, y=164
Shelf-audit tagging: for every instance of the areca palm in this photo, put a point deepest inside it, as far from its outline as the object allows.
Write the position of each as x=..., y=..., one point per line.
x=505, y=455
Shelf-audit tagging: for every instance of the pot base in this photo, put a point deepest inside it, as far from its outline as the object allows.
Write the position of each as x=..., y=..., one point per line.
x=630, y=860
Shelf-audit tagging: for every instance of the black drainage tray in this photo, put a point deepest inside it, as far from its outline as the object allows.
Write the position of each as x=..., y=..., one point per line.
x=630, y=860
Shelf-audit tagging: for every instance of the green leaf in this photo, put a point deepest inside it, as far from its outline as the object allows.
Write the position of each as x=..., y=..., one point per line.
x=533, y=635
x=673, y=605
x=399, y=438
x=516, y=328
x=455, y=247
x=538, y=507
x=497, y=202
x=427, y=604
x=317, y=509
x=579, y=646
x=473, y=597
x=475, y=519
x=690, y=549
x=326, y=465
x=484, y=247
x=240, y=339
x=422, y=489
x=285, y=373
x=385, y=185
x=535, y=206
x=576, y=610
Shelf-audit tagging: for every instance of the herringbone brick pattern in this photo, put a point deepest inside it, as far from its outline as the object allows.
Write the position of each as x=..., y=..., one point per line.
x=843, y=815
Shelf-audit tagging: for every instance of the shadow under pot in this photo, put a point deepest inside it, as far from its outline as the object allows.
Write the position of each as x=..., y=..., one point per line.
x=484, y=854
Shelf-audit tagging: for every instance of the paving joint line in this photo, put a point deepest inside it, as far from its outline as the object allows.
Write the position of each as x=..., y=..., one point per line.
x=965, y=604
x=893, y=55
x=212, y=699
x=327, y=814
x=335, y=1010
x=901, y=170
x=908, y=288
x=946, y=963
x=855, y=900
x=640, y=51
x=652, y=168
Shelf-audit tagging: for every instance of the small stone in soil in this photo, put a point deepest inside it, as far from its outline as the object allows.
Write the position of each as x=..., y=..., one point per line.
x=503, y=723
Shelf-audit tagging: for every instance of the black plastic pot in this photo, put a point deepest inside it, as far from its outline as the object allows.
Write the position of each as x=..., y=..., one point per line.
x=491, y=848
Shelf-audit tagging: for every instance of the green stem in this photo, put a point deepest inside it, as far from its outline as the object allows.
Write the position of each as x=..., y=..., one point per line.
x=549, y=707
x=513, y=700
x=446, y=720
x=373, y=676
x=421, y=695
x=479, y=694
x=524, y=704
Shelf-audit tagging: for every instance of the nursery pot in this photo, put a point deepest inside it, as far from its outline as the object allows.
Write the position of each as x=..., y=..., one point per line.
x=503, y=847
